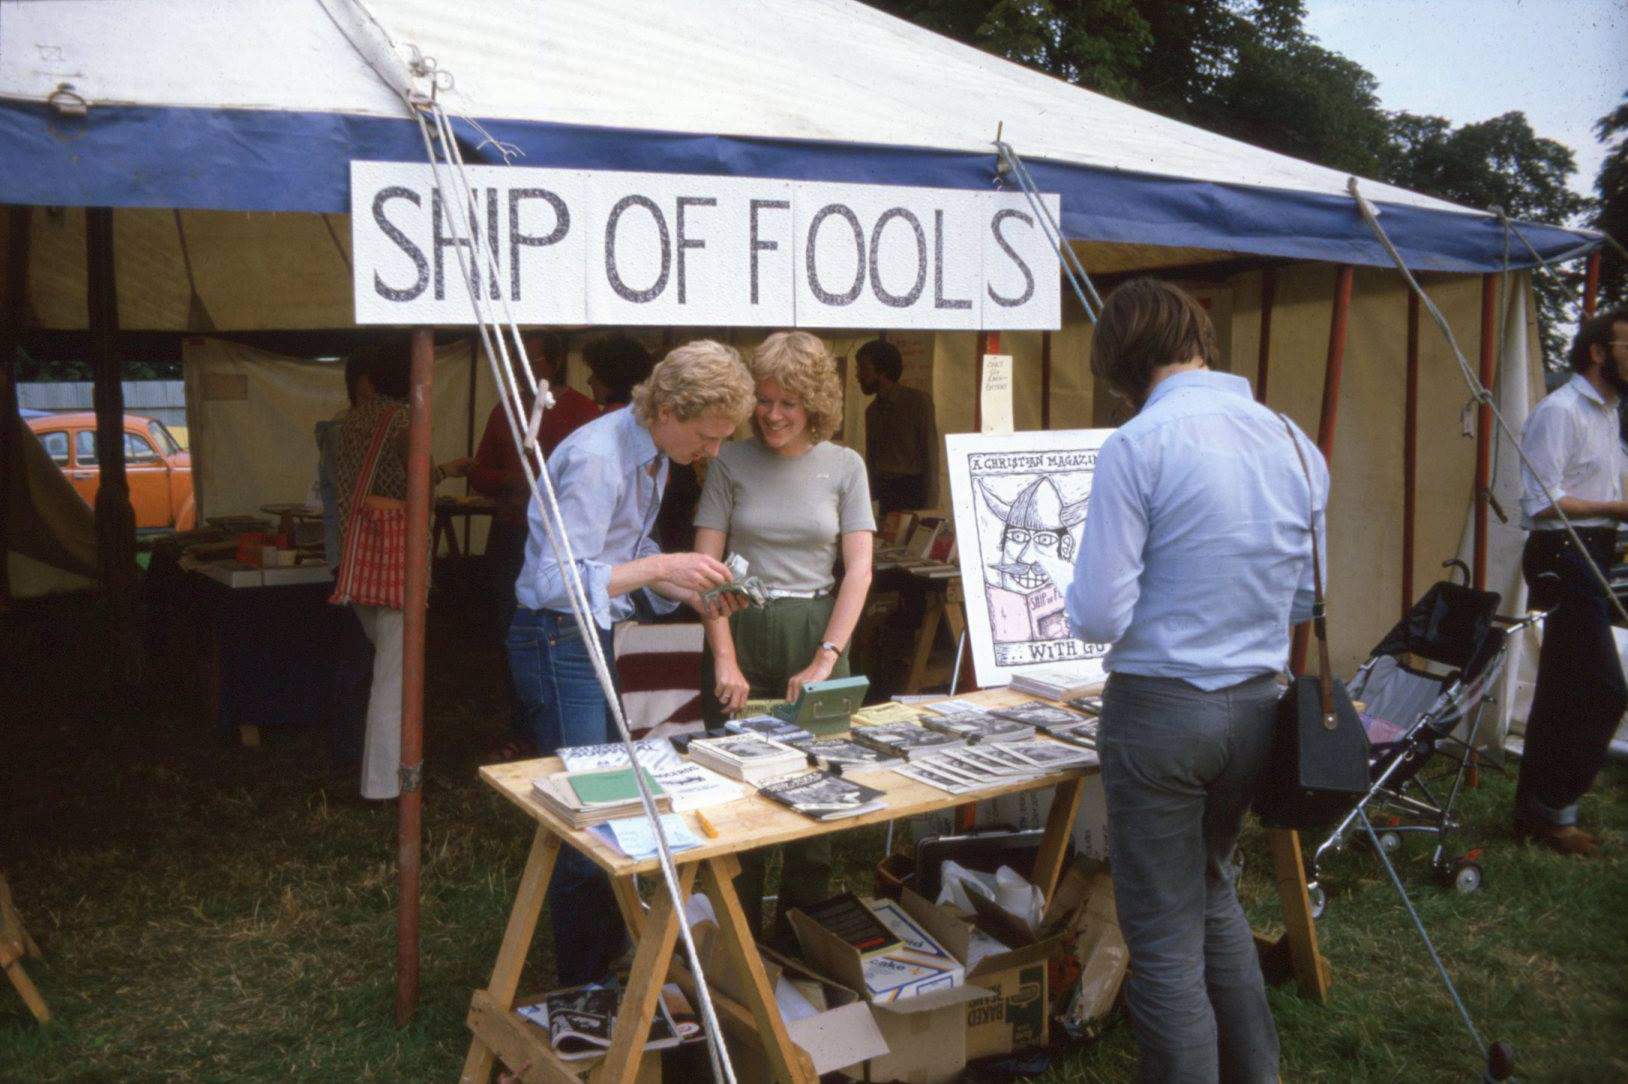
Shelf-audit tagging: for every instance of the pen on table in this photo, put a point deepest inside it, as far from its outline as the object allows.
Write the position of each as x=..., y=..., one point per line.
x=706, y=825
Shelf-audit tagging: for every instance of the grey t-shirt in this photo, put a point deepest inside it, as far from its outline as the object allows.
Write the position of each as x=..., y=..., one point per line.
x=787, y=516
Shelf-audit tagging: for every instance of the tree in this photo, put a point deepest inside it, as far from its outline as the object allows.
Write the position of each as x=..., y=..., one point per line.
x=1611, y=210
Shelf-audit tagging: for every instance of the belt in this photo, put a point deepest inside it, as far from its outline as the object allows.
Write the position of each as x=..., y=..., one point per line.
x=1594, y=535
x=775, y=592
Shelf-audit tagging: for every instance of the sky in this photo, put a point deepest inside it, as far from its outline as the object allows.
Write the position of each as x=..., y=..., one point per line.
x=1564, y=63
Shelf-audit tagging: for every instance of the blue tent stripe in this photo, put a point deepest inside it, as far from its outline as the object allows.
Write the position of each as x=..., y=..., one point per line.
x=263, y=160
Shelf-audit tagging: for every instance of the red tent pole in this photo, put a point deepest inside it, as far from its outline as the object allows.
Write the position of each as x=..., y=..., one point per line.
x=1483, y=427
x=1410, y=453
x=1269, y=293
x=1591, y=284
x=411, y=805
x=1332, y=371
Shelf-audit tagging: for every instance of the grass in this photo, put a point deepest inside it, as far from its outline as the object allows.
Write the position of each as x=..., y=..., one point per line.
x=212, y=913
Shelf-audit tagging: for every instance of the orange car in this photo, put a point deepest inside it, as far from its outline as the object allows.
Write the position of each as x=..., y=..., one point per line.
x=158, y=469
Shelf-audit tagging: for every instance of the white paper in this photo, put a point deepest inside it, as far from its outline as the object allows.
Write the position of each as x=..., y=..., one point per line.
x=634, y=837
x=995, y=397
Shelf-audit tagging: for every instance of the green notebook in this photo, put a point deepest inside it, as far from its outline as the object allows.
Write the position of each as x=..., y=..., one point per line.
x=611, y=785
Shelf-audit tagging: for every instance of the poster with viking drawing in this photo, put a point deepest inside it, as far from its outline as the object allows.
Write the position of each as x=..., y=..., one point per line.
x=1020, y=501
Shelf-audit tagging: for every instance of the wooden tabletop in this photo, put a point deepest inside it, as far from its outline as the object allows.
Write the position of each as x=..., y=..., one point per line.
x=755, y=821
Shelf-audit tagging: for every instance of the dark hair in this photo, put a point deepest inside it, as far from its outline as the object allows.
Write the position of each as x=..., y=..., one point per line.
x=554, y=347
x=1145, y=324
x=355, y=368
x=1595, y=331
x=387, y=362
x=620, y=362
x=882, y=356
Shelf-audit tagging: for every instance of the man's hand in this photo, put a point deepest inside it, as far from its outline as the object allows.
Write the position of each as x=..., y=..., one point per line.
x=731, y=688
x=694, y=572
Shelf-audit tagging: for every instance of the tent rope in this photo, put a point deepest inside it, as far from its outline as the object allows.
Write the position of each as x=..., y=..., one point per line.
x=479, y=257
x=1479, y=392
x=1010, y=164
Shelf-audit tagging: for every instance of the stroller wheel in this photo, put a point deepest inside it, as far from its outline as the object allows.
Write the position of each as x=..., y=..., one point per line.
x=1318, y=900
x=1391, y=841
x=1467, y=877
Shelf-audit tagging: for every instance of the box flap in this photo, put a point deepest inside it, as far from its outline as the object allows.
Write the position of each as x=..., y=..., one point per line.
x=937, y=999
x=941, y=922
x=1000, y=961
x=840, y=1037
x=828, y=953
x=999, y=923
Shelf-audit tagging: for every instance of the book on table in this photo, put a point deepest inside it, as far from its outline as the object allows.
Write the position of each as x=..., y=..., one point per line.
x=1058, y=682
x=978, y=726
x=846, y=916
x=1040, y=716
x=579, y=1021
x=747, y=757
x=584, y=798
x=845, y=756
x=907, y=740
x=822, y=796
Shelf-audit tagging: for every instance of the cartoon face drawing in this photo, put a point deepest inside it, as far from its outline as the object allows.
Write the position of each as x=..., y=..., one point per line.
x=1036, y=533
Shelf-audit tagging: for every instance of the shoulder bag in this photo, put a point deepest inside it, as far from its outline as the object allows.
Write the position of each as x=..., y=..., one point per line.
x=373, y=556
x=1317, y=769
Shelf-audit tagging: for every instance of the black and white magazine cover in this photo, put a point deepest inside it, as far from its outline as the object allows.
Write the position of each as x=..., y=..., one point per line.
x=930, y=772
x=907, y=739
x=980, y=726
x=1052, y=755
x=823, y=796
x=847, y=757
x=1040, y=716
x=579, y=1021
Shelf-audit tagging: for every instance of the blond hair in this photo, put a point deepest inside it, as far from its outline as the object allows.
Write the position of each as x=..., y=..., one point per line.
x=800, y=363
x=697, y=378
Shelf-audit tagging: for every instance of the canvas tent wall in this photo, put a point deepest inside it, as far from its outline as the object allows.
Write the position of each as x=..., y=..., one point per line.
x=194, y=112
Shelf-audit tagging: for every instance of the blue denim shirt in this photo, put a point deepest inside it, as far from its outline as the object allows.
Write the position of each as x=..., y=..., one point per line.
x=1196, y=553
x=608, y=501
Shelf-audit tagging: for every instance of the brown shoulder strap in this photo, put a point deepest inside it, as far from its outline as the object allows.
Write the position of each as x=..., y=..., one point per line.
x=1325, y=682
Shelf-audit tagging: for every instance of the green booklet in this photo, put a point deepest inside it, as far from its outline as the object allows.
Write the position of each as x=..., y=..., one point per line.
x=610, y=785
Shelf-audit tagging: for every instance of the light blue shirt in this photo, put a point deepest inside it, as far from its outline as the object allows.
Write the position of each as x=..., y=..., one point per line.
x=1196, y=552
x=608, y=502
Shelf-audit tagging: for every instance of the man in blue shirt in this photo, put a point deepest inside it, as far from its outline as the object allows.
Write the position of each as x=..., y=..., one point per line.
x=1194, y=560
x=608, y=476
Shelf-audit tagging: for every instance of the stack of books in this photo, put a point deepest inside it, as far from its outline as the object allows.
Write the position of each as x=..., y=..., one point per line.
x=979, y=726
x=772, y=727
x=1042, y=717
x=907, y=740
x=584, y=798
x=844, y=756
x=822, y=796
x=1058, y=682
x=748, y=757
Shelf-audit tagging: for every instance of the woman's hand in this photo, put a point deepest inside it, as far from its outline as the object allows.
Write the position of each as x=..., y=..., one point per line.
x=731, y=688
x=817, y=670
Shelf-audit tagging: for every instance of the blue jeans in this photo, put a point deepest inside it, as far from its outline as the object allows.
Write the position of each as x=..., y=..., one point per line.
x=563, y=705
x=1180, y=767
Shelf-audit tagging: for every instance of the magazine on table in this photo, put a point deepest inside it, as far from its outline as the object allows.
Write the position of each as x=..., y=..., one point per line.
x=579, y=1021
x=823, y=796
x=887, y=712
x=1091, y=705
x=979, y=726
x=653, y=753
x=772, y=727
x=688, y=785
x=1083, y=734
x=1052, y=755
x=987, y=762
x=847, y=757
x=929, y=772
x=951, y=707
x=1040, y=716
x=907, y=740
x=747, y=757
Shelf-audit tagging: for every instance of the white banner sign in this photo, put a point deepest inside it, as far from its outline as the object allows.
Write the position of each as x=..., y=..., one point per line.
x=599, y=247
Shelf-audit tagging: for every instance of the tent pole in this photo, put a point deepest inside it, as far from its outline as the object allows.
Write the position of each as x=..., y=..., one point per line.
x=1332, y=371
x=1483, y=427
x=1269, y=293
x=986, y=343
x=1591, y=284
x=469, y=429
x=1045, y=380
x=1410, y=452
x=11, y=324
x=412, y=673
x=115, y=518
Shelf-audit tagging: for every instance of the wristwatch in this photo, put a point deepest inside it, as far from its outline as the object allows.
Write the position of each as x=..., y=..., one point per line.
x=827, y=645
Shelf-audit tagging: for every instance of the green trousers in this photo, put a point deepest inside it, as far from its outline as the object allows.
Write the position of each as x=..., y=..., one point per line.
x=771, y=644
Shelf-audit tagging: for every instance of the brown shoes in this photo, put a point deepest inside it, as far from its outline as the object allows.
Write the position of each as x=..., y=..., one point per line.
x=1565, y=838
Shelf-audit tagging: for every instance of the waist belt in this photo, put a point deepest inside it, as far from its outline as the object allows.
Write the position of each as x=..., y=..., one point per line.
x=775, y=592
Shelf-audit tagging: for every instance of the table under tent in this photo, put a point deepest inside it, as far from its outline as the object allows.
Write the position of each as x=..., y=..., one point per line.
x=182, y=167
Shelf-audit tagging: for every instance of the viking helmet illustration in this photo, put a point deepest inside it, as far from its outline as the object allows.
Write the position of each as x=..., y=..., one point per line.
x=1040, y=507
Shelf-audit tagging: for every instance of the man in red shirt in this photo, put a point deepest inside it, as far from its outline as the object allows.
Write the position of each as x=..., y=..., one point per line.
x=497, y=474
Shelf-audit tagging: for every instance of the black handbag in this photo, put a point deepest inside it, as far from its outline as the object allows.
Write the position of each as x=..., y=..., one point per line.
x=1317, y=769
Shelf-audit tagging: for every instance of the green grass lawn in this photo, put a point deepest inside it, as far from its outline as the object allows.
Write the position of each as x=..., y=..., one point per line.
x=212, y=913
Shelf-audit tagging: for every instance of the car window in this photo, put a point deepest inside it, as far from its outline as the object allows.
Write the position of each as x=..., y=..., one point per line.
x=167, y=444
x=137, y=449
x=56, y=445
x=84, y=447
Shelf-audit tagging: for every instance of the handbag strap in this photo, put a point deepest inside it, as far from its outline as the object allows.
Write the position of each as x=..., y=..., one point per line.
x=370, y=465
x=1325, y=682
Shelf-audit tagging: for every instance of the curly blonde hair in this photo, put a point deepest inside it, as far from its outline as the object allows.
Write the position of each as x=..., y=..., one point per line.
x=800, y=363
x=694, y=379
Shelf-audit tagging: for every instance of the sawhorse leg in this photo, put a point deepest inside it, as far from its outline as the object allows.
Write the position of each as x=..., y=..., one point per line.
x=657, y=936
x=1288, y=868
x=511, y=955
x=15, y=943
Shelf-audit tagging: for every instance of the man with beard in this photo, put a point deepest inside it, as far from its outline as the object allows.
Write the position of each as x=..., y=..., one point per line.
x=901, y=436
x=1573, y=441
x=1024, y=601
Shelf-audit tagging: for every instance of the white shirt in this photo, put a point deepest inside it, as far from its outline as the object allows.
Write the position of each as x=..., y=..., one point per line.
x=1196, y=553
x=1575, y=445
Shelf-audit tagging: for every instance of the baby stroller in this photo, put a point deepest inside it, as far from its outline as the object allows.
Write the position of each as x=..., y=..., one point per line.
x=1424, y=691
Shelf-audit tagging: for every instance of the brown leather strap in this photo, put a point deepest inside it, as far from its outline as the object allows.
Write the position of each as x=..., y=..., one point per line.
x=1325, y=681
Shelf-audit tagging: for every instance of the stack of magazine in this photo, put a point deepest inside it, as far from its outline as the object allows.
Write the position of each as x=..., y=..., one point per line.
x=979, y=726
x=823, y=796
x=995, y=764
x=845, y=756
x=1058, y=682
x=579, y=1021
x=747, y=757
x=1043, y=717
x=690, y=786
x=584, y=798
x=772, y=727
x=907, y=741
